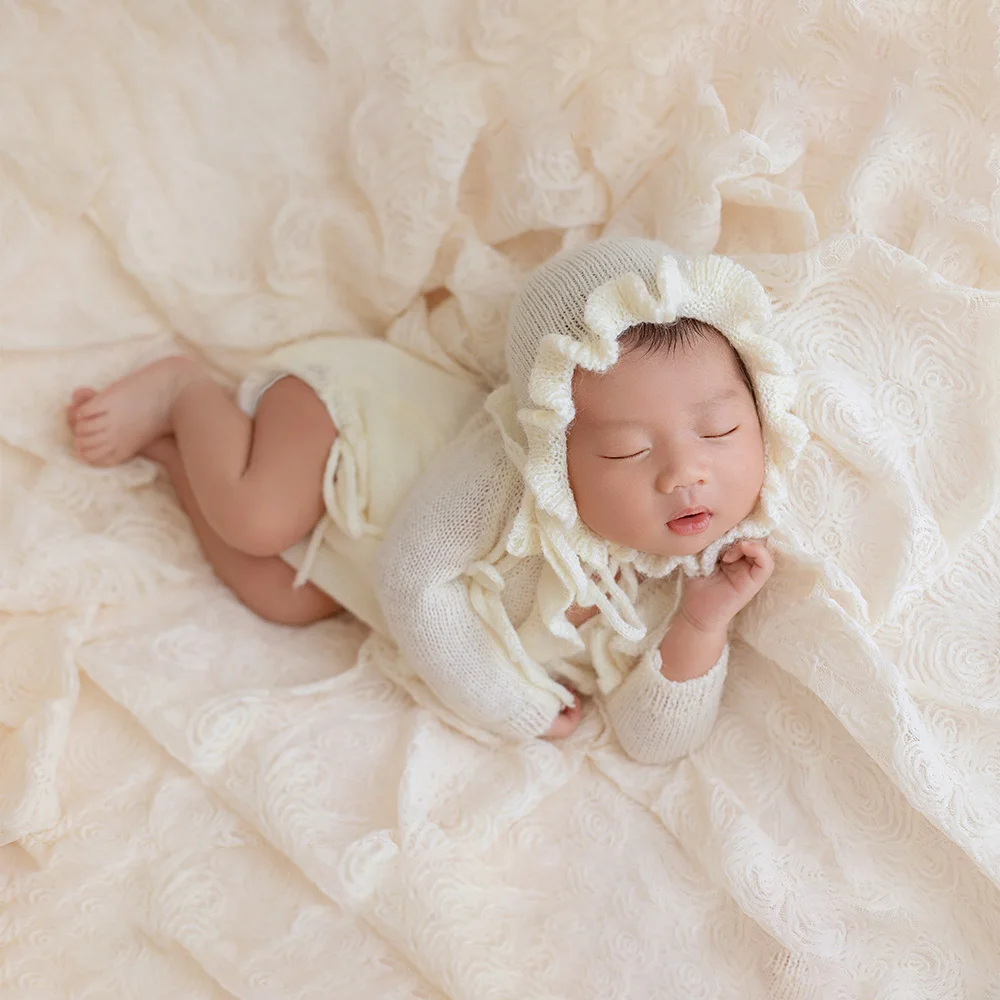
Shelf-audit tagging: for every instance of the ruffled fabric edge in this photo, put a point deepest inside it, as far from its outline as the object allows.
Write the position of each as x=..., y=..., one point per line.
x=592, y=570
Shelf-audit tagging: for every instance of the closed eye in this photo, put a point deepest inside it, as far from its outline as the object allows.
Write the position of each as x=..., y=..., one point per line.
x=618, y=458
x=713, y=437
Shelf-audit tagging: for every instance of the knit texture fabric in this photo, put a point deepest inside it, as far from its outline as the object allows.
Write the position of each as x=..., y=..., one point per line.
x=392, y=412
x=211, y=807
x=497, y=648
x=570, y=314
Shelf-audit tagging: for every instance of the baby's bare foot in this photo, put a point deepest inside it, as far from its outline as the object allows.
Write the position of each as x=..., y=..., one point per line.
x=117, y=423
x=80, y=396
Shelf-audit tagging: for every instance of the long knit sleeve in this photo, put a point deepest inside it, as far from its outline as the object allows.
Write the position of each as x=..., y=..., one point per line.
x=658, y=720
x=655, y=719
x=453, y=517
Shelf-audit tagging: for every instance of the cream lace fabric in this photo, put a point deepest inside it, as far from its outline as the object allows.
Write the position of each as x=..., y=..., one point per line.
x=196, y=804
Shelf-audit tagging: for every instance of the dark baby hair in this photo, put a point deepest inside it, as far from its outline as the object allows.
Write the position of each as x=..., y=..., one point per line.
x=653, y=337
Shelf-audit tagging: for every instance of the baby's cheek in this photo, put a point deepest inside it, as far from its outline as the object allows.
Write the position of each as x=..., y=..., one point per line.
x=746, y=477
x=632, y=512
x=755, y=475
x=589, y=492
x=610, y=509
x=611, y=500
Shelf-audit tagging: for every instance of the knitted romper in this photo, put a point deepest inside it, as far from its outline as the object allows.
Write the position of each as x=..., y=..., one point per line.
x=451, y=527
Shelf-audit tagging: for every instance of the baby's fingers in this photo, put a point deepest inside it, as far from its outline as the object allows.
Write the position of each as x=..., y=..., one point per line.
x=739, y=550
x=749, y=547
x=566, y=721
x=748, y=559
x=761, y=563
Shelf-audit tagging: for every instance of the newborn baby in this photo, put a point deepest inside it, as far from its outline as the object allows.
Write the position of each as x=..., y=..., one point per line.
x=591, y=527
x=665, y=456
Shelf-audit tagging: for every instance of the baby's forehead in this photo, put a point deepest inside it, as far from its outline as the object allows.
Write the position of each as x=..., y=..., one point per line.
x=698, y=404
x=654, y=382
x=689, y=369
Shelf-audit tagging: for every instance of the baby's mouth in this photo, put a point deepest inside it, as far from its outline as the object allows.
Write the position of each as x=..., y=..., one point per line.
x=691, y=524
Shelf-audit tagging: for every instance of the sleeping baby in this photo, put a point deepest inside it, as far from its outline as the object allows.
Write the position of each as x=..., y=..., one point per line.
x=588, y=529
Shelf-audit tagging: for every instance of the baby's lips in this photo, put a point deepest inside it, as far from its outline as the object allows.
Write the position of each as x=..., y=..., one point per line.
x=689, y=512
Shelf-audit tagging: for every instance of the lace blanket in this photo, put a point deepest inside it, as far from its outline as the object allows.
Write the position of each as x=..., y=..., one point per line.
x=196, y=804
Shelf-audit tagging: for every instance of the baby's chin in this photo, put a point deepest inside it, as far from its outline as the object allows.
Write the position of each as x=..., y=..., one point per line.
x=674, y=545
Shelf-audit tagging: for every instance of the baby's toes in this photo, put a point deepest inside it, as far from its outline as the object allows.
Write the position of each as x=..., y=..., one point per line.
x=72, y=410
x=93, y=409
x=86, y=444
x=92, y=427
x=96, y=448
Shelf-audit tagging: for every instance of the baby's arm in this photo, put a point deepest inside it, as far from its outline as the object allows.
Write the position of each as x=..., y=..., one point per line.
x=454, y=515
x=657, y=717
x=667, y=705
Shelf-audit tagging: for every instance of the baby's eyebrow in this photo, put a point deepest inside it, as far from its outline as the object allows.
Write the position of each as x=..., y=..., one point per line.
x=611, y=422
x=706, y=404
x=721, y=397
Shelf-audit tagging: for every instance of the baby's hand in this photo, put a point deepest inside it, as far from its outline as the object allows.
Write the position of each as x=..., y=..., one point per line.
x=566, y=721
x=576, y=615
x=711, y=602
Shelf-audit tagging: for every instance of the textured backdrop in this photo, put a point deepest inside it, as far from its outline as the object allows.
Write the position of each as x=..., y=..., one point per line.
x=196, y=804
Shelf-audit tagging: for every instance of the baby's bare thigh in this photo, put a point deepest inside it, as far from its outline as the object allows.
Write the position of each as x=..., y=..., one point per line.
x=265, y=586
x=292, y=438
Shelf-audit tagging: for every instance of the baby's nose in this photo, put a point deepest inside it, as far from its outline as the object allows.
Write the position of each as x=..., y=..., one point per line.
x=689, y=482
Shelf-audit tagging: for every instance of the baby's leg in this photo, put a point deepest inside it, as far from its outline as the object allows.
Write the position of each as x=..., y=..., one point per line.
x=257, y=482
x=262, y=583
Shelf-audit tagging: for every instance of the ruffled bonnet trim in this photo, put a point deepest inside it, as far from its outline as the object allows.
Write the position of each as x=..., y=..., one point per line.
x=592, y=570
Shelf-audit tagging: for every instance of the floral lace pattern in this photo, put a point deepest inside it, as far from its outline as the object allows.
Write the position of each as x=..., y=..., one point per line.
x=194, y=803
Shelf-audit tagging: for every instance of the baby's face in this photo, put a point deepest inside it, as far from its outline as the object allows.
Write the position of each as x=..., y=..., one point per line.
x=659, y=434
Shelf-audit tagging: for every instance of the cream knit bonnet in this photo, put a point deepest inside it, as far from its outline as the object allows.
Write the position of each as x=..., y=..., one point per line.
x=570, y=313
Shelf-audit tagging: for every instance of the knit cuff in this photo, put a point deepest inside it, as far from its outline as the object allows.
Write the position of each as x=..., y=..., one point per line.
x=658, y=720
x=533, y=721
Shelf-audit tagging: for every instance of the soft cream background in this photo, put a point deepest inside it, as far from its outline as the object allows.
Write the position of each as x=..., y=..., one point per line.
x=196, y=804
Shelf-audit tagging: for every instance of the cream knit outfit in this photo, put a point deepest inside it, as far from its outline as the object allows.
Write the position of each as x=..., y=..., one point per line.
x=394, y=413
x=481, y=560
